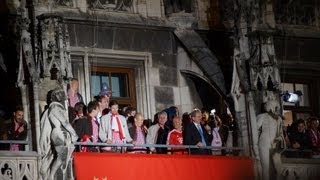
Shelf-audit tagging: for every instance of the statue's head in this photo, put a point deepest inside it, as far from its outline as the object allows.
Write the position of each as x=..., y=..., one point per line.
x=58, y=95
x=272, y=106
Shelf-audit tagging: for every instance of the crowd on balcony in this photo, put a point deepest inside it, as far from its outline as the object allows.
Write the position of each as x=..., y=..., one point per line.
x=303, y=138
x=168, y=128
x=102, y=120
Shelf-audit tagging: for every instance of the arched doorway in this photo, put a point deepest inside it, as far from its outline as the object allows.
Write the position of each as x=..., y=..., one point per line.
x=211, y=97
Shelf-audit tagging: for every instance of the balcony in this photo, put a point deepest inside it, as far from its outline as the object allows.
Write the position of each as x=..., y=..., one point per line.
x=24, y=164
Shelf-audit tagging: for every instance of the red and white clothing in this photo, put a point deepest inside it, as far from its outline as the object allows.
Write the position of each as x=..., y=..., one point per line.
x=175, y=137
x=87, y=128
x=114, y=127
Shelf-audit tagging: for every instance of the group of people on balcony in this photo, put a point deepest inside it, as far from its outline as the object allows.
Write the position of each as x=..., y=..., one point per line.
x=114, y=128
x=102, y=121
x=303, y=136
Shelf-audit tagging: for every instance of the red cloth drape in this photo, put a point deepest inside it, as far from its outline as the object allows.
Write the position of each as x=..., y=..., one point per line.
x=112, y=166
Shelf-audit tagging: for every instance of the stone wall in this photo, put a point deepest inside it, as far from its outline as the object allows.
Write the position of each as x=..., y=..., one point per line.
x=167, y=86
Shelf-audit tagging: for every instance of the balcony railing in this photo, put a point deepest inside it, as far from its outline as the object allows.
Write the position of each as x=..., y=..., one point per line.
x=185, y=148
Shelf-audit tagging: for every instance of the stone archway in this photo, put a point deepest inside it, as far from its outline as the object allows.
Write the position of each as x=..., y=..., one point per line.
x=210, y=94
x=203, y=57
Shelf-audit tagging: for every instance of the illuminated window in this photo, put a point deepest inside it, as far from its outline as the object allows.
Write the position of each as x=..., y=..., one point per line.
x=119, y=80
x=294, y=87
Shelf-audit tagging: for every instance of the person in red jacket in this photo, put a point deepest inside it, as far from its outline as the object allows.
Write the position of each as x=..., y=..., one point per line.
x=175, y=136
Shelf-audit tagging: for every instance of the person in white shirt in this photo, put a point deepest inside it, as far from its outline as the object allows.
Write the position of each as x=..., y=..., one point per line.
x=113, y=128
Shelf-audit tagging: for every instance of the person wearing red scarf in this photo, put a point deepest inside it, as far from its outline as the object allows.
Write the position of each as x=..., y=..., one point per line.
x=114, y=128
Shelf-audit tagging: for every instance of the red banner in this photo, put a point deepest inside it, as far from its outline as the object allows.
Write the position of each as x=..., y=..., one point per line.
x=109, y=166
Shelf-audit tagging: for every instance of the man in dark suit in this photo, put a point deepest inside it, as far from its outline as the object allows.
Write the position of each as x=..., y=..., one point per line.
x=87, y=127
x=195, y=134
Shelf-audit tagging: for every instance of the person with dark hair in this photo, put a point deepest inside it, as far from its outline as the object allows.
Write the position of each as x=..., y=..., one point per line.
x=129, y=113
x=15, y=129
x=299, y=138
x=185, y=119
x=80, y=110
x=205, y=120
x=195, y=134
x=87, y=127
x=219, y=134
x=114, y=128
x=171, y=112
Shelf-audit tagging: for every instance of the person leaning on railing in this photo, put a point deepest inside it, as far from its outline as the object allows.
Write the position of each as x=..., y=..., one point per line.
x=314, y=136
x=114, y=129
x=87, y=127
x=175, y=136
x=14, y=129
x=299, y=140
x=158, y=133
x=195, y=134
x=138, y=133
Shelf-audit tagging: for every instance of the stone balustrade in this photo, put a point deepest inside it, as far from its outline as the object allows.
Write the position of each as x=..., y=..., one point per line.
x=300, y=168
x=18, y=165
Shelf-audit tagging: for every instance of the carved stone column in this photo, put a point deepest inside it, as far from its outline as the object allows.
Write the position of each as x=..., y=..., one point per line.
x=55, y=61
x=256, y=77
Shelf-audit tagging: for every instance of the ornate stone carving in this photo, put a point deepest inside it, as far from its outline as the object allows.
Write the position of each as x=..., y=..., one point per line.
x=296, y=168
x=22, y=166
x=112, y=5
x=56, y=140
x=55, y=61
x=68, y=3
x=26, y=47
x=264, y=73
x=297, y=12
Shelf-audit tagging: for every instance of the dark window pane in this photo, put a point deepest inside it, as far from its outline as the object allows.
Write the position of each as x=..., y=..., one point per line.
x=119, y=85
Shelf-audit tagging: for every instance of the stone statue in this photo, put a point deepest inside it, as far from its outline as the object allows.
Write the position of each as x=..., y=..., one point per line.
x=56, y=140
x=269, y=125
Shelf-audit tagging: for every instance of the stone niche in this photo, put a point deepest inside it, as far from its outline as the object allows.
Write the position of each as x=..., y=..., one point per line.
x=44, y=87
